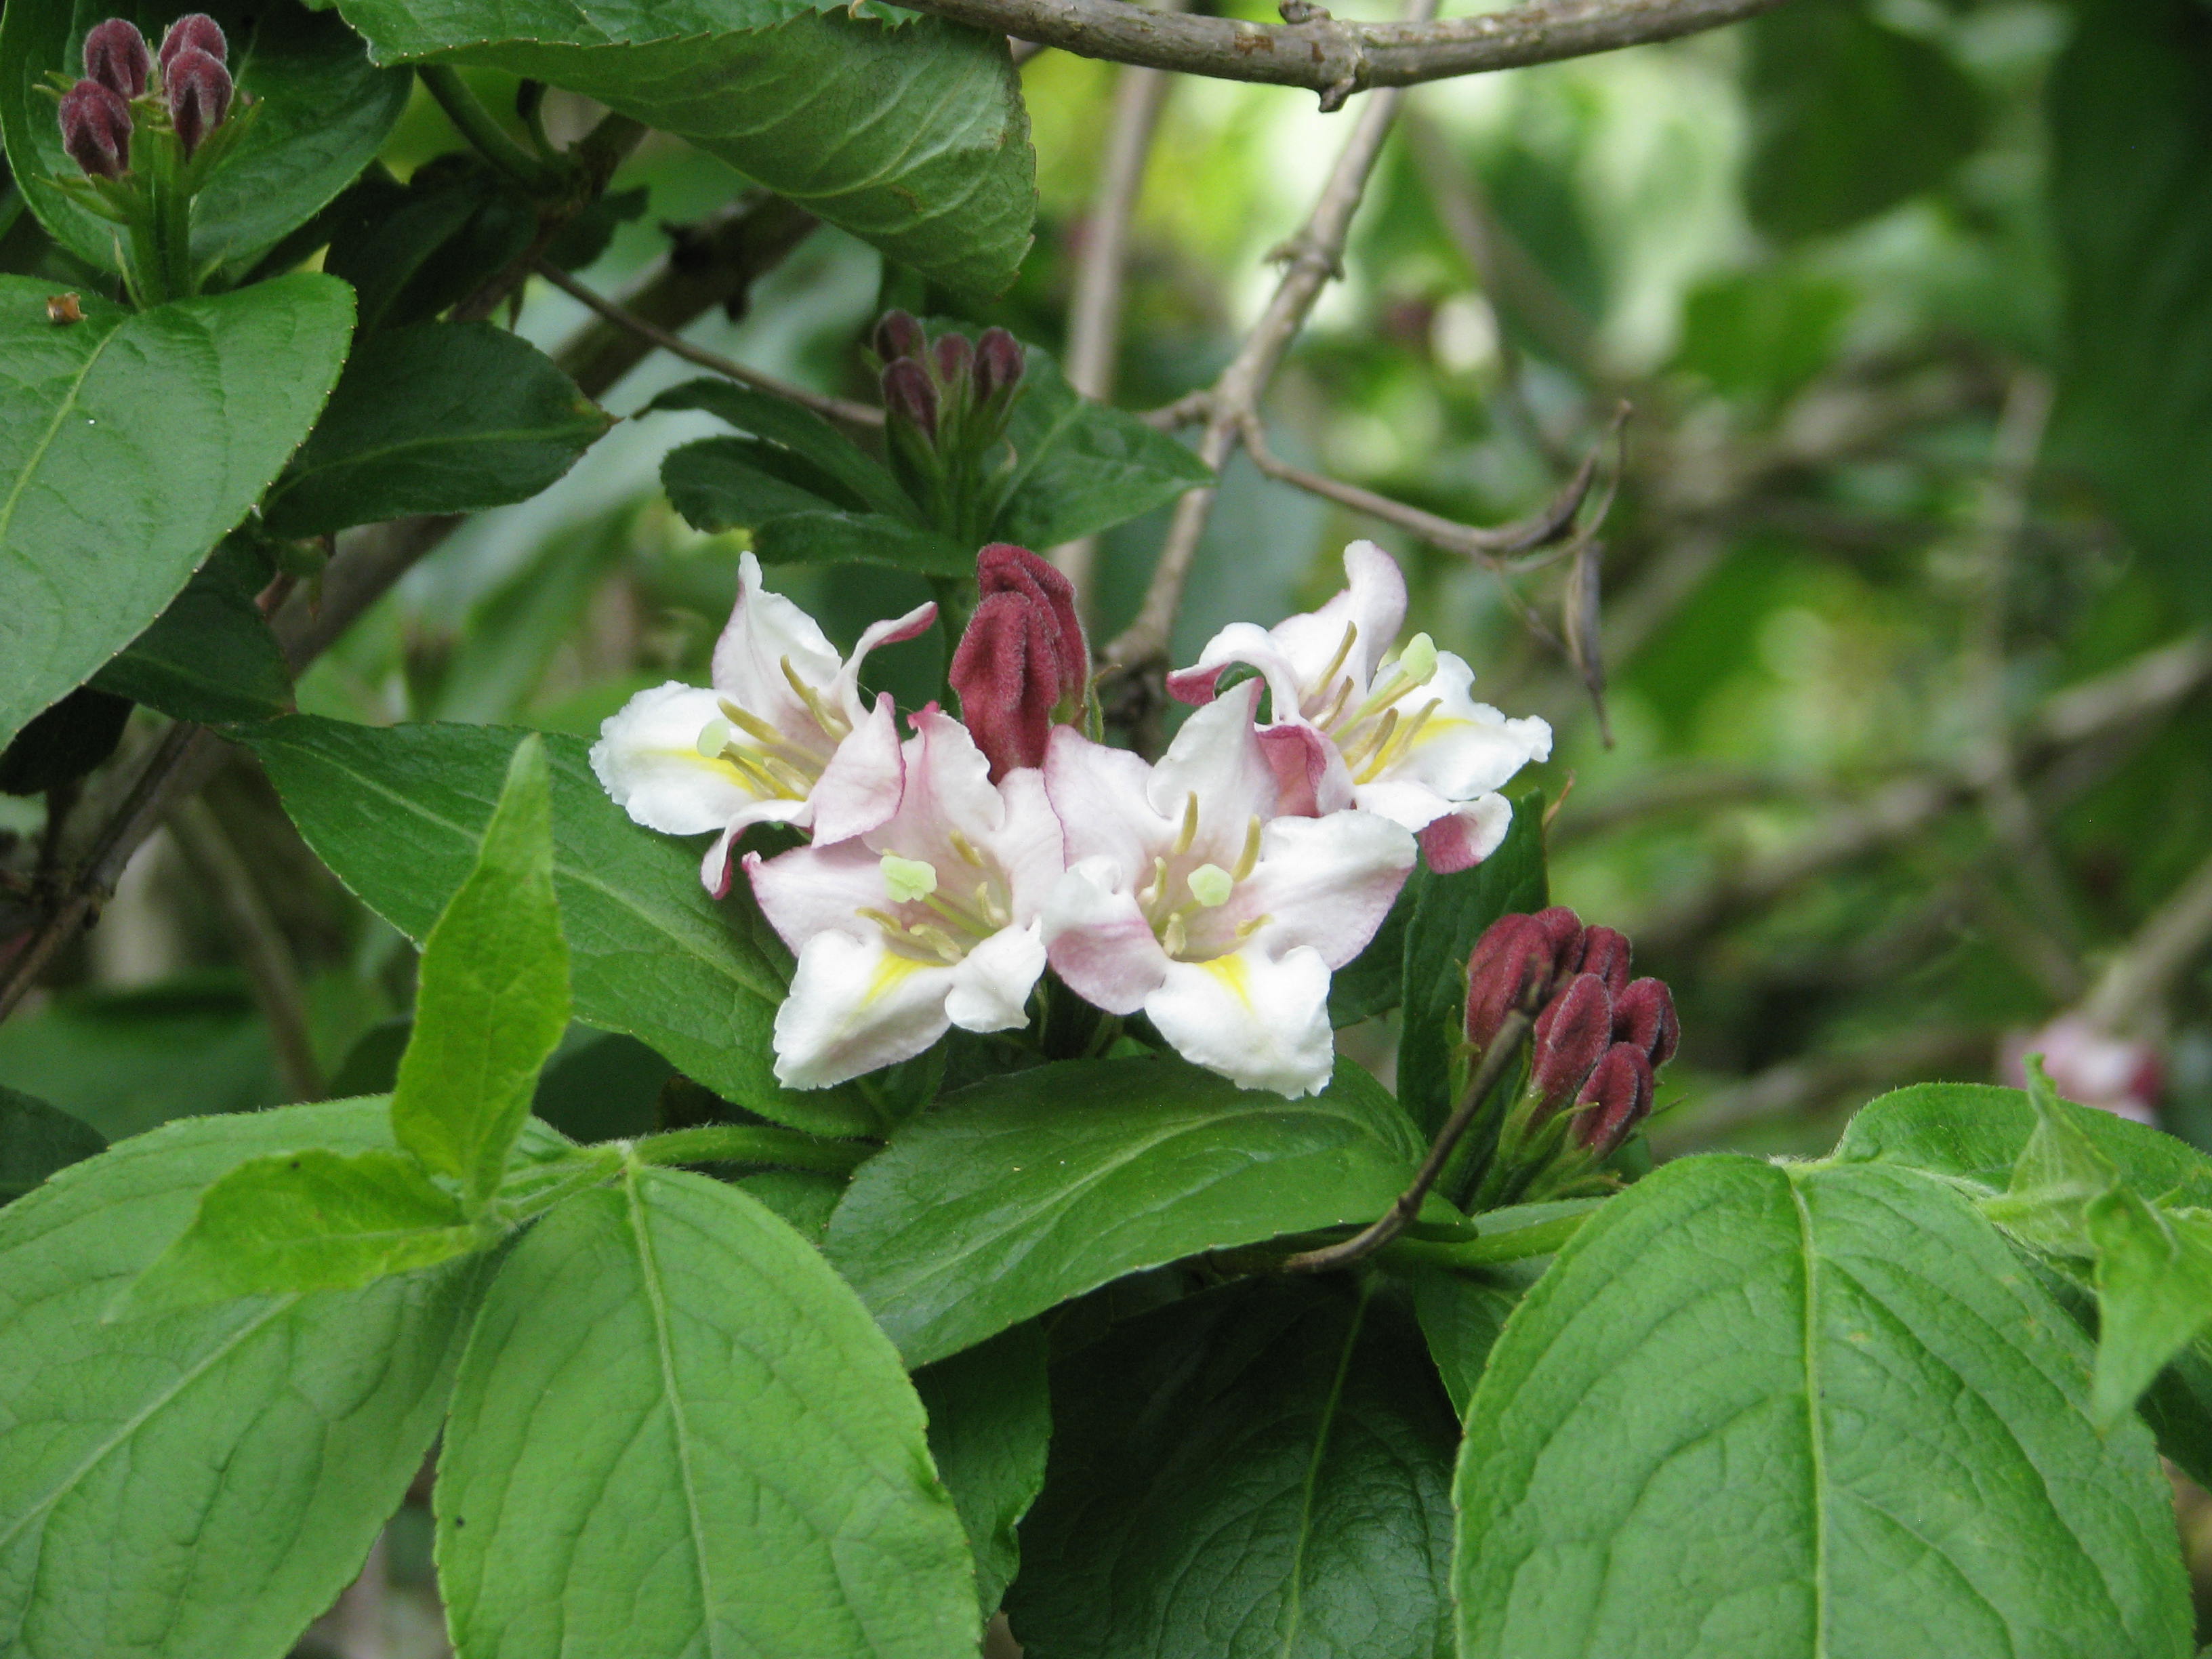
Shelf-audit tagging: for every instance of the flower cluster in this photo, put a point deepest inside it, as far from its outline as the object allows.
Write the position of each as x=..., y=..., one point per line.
x=1214, y=891
x=185, y=89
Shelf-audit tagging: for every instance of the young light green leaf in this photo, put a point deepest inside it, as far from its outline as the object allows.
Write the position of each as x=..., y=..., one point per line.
x=129, y=443
x=990, y=1421
x=199, y=1485
x=441, y=417
x=1706, y=1430
x=492, y=998
x=1461, y=1312
x=1262, y=1472
x=2154, y=1291
x=397, y=813
x=676, y=1434
x=323, y=110
x=1022, y=1191
x=309, y=1220
x=37, y=1139
x=2060, y=1173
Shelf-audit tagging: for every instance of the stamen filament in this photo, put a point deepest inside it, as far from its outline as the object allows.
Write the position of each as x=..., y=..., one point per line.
x=835, y=724
x=1188, y=832
x=1251, y=856
x=1335, y=663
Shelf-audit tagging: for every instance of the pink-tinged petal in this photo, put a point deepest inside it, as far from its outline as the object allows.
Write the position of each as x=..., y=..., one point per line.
x=813, y=890
x=1310, y=777
x=1218, y=757
x=764, y=630
x=948, y=790
x=1030, y=846
x=1260, y=1021
x=1255, y=647
x=1327, y=882
x=1467, y=834
x=1410, y=805
x=858, y=790
x=1372, y=600
x=1099, y=796
x=855, y=1006
x=893, y=631
x=1465, y=748
x=1098, y=940
x=1195, y=685
x=992, y=984
x=647, y=759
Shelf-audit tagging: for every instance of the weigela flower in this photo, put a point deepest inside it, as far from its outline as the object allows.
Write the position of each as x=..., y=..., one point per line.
x=926, y=921
x=1354, y=723
x=782, y=737
x=1189, y=896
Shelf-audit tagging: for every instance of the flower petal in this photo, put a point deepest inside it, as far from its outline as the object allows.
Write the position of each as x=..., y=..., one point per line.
x=1311, y=776
x=1327, y=882
x=855, y=1006
x=891, y=631
x=1099, y=794
x=763, y=630
x=1372, y=599
x=1467, y=834
x=647, y=758
x=948, y=791
x=860, y=788
x=1030, y=846
x=1217, y=756
x=1466, y=748
x=813, y=890
x=992, y=984
x=1098, y=940
x=1245, y=642
x=1260, y=1021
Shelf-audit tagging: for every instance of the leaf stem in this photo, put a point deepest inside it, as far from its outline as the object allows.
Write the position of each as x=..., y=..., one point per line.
x=1488, y=1249
x=477, y=124
x=745, y=1143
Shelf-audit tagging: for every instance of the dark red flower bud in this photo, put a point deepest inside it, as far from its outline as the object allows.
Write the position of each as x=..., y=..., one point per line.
x=1605, y=952
x=96, y=128
x=1616, y=1098
x=1022, y=666
x=1000, y=363
x=1571, y=1033
x=1511, y=967
x=115, y=55
x=909, y=396
x=198, y=89
x=953, y=352
x=1564, y=929
x=198, y=31
x=898, y=335
x=1643, y=1014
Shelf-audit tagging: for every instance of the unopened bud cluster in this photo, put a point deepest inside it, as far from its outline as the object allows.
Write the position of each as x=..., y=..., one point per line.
x=1599, y=1040
x=1022, y=666
x=945, y=405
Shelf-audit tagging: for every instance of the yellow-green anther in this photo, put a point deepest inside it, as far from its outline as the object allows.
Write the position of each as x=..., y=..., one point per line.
x=1419, y=659
x=714, y=737
x=1210, y=885
x=907, y=879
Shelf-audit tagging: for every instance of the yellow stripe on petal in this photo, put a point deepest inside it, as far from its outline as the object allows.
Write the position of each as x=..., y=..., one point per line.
x=891, y=969
x=1232, y=972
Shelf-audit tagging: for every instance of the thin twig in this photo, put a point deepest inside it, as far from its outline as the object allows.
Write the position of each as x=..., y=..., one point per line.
x=1504, y=1049
x=2138, y=979
x=837, y=409
x=1336, y=58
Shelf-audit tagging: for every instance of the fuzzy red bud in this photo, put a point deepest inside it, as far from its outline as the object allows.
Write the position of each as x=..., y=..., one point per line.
x=1022, y=665
x=909, y=396
x=96, y=128
x=898, y=335
x=115, y=55
x=1606, y=953
x=953, y=352
x=198, y=31
x=1000, y=363
x=1564, y=929
x=1615, y=1099
x=1511, y=967
x=198, y=89
x=1644, y=1015
x=1574, y=1029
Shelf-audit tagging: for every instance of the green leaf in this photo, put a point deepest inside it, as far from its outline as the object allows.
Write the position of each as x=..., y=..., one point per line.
x=129, y=443
x=1850, y=117
x=211, y=656
x=1448, y=913
x=1790, y=1411
x=912, y=137
x=36, y=1139
x=2060, y=1173
x=325, y=110
x=676, y=1433
x=1461, y=1312
x=1373, y=982
x=64, y=742
x=1083, y=466
x=860, y=538
x=990, y=1422
x=805, y=434
x=1262, y=1471
x=2154, y=1293
x=310, y=1220
x=410, y=251
x=199, y=1485
x=397, y=813
x=2178, y=1408
x=1022, y=1191
x=491, y=1002
x=737, y=483
x=2131, y=210
x=441, y=417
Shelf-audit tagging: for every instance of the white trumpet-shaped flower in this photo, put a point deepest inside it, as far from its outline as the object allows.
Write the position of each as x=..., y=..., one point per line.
x=1357, y=723
x=1187, y=896
x=928, y=920
x=782, y=736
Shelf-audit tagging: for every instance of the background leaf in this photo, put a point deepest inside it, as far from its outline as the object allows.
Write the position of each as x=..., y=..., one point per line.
x=173, y=1442
x=325, y=109
x=1025, y=1190
x=441, y=417
x=912, y=137
x=1707, y=1430
x=860, y=538
x=397, y=812
x=36, y=1139
x=1081, y=466
x=1261, y=1471
x=990, y=1422
x=211, y=656
x=800, y=431
x=2154, y=1293
x=1461, y=1312
x=676, y=1433
x=129, y=445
